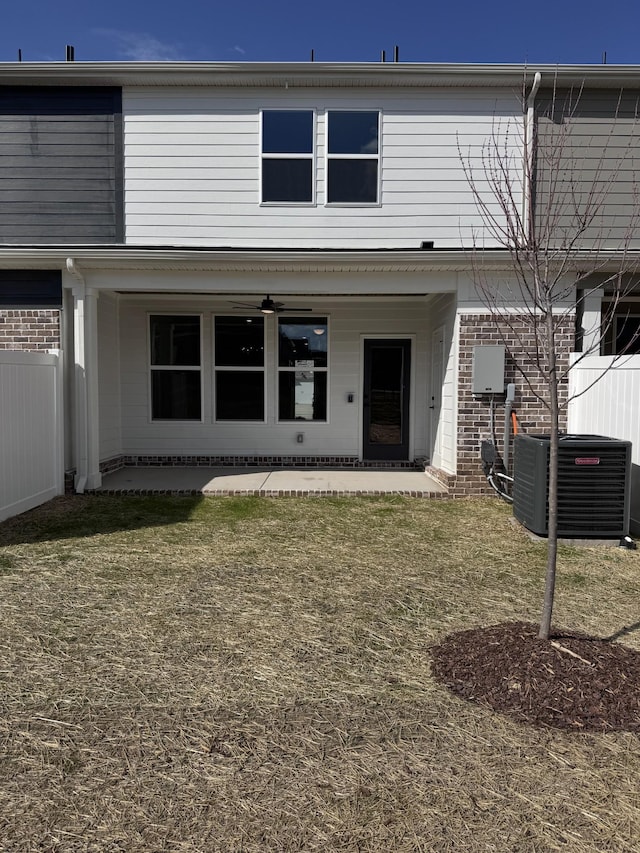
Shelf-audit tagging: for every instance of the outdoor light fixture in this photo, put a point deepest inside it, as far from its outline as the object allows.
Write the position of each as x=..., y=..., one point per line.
x=268, y=306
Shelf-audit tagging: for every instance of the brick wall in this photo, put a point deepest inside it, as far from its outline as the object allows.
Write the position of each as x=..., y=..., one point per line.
x=474, y=413
x=29, y=329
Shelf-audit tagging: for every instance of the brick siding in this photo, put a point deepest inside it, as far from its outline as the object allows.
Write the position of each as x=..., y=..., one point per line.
x=474, y=412
x=29, y=329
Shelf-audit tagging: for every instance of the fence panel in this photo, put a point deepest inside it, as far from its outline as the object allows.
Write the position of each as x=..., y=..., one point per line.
x=606, y=393
x=31, y=425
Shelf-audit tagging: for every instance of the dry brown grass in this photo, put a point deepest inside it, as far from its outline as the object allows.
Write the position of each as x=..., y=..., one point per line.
x=253, y=674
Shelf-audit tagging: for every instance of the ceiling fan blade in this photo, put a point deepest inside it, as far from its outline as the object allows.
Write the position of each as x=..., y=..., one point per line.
x=285, y=310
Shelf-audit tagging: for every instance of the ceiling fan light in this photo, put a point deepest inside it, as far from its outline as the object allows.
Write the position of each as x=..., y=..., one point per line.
x=268, y=306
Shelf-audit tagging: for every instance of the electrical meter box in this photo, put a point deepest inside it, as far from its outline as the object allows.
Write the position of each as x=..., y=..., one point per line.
x=488, y=370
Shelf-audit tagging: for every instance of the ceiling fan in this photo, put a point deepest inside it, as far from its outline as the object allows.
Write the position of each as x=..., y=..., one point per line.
x=268, y=306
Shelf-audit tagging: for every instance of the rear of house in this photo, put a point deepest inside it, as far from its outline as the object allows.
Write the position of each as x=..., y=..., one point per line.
x=265, y=264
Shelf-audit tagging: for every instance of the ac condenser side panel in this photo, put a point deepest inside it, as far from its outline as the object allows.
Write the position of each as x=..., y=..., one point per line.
x=530, y=467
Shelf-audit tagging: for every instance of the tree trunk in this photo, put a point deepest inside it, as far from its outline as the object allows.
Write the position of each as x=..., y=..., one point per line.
x=552, y=525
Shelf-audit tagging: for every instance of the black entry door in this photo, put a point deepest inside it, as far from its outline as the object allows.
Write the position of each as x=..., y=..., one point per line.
x=387, y=372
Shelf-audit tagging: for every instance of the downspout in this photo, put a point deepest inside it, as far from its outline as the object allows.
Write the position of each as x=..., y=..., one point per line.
x=81, y=446
x=528, y=160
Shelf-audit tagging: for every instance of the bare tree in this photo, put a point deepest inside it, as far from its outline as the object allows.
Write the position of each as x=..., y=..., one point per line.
x=562, y=200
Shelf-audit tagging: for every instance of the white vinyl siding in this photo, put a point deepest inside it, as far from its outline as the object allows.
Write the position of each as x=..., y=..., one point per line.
x=349, y=320
x=192, y=168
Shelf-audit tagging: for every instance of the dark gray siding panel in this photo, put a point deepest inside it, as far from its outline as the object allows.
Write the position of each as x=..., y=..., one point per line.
x=60, y=165
x=588, y=167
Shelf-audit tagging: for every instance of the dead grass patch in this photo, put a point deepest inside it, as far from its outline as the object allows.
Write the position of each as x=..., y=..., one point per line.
x=182, y=674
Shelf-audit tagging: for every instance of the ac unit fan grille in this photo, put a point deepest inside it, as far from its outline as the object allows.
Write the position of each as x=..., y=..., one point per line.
x=593, y=499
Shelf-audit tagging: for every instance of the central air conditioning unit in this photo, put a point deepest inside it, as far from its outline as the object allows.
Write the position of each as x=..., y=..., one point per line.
x=594, y=485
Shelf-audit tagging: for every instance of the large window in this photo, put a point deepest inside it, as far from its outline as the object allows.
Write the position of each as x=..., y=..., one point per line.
x=175, y=367
x=302, y=369
x=287, y=156
x=353, y=155
x=239, y=368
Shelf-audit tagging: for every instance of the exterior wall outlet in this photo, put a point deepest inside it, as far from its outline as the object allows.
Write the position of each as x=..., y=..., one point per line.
x=300, y=438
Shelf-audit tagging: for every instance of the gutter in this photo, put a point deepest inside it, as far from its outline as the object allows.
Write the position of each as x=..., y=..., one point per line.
x=528, y=164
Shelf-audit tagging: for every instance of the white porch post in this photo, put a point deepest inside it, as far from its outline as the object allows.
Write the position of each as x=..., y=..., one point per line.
x=591, y=321
x=85, y=345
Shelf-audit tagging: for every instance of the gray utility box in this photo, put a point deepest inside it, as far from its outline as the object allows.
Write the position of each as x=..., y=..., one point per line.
x=594, y=485
x=488, y=369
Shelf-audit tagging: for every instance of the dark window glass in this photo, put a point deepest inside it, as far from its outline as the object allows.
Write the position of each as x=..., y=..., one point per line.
x=287, y=180
x=627, y=335
x=175, y=340
x=302, y=340
x=175, y=395
x=353, y=133
x=354, y=181
x=239, y=341
x=240, y=395
x=287, y=132
x=302, y=395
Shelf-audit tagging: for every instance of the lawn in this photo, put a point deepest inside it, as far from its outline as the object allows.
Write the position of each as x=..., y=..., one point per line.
x=251, y=674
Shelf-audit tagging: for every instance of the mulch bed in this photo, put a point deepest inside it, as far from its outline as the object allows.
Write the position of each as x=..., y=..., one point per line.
x=597, y=688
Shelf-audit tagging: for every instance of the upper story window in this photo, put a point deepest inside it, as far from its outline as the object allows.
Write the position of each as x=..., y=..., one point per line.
x=353, y=153
x=287, y=156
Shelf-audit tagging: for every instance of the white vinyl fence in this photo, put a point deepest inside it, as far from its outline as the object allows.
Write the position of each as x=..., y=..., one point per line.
x=609, y=404
x=31, y=425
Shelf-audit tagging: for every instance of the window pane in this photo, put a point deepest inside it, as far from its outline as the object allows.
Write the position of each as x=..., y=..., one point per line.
x=287, y=180
x=353, y=181
x=239, y=341
x=303, y=340
x=239, y=395
x=175, y=340
x=627, y=335
x=287, y=132
x=175, y=395
x=353, y=133
x=302, y=395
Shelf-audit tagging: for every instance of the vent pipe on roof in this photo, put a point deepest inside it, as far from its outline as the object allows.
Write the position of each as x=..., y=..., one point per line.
x=396, y=53
x=383, y=56
x=312, y=54
x=19, y=55
x=70, y=53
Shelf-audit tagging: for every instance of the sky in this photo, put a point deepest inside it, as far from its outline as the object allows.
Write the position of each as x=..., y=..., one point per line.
x=494, y=31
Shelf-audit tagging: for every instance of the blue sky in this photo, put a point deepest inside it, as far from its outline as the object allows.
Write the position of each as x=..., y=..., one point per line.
x=564, y=31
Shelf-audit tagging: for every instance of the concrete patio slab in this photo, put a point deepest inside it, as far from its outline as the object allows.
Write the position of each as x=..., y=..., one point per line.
x=269, y=481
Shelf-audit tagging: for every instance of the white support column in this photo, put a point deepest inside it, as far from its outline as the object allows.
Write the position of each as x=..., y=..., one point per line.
x=94, y=477
x=85, y=346
x=591, y=321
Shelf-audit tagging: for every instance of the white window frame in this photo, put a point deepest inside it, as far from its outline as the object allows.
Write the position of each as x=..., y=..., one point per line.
x=238, y=369
x=172, y=367
x=377, y=157
x=290, y=156
x=279, y=370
